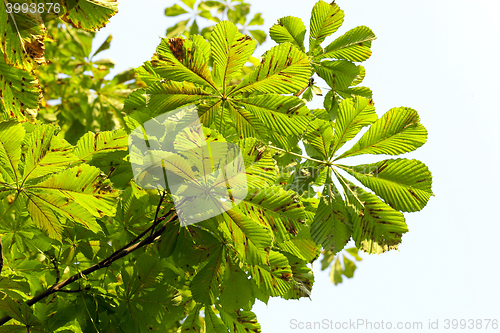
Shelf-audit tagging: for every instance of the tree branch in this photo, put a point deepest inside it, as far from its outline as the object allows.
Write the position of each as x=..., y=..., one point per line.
x=127, y=249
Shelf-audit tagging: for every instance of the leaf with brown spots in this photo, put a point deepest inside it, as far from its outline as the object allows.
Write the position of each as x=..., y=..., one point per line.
x=377, y=228
x=325, y=20
x=81, y=198
x=22, y=40
x=96, y=146
x=90, y=15
x=19, y=92
x=230, y=50
x=404, y=184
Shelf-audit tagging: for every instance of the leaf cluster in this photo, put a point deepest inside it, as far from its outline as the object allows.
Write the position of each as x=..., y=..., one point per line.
x=86, y=248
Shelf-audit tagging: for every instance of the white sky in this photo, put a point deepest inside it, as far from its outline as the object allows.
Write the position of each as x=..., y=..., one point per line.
x=440, y=58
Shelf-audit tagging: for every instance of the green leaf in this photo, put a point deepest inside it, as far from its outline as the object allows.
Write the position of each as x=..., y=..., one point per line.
x=377, y=228
x=46, y=153
x=256, y=20
x=240, y=322
x=11, y=137
x=230, y=51
x=353, y=251
x=20, y=92
x=178, y=29
x=213, y=324
x=189, y=3
x=289, y=29
x=398, y=131
x=404, y=184
x=331, y=227
x=20, y=312
x=259, y=35
x=338, y=74
x=352, y=116
x=90, y=15
x=284, y=69
x=302, y=279
x=336, y=272
x=205, y=283
x=355, y=91
x=325, y=20
x=80, y=194
x=180, y=59
x=320, y=137
x=251, y=239
x=104, y=46
x=170, y=95
x=285, y=115
x=22, y=39
x=354, y=45
x=97, y=146
x=279, y=209
x=175, y=10
x=236, y=288
x=274, y=279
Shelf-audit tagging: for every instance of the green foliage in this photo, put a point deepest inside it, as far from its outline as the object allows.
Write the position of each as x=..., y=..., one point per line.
x=214, y=11
x=86, y=249
x=335, y=63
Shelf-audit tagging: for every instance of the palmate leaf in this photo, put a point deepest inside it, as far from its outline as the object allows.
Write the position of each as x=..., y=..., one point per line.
x=289, y=29
x=354, y=46
x=398, y=131
x=19, y=91
x=230, y=50
x=49, y=189
x=179, y=75
x=325, y=20
x=376, y=227
x=90, y=15
x=404, y=184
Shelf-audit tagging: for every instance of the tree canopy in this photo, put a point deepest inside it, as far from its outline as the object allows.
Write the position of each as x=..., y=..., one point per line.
x=86, y=247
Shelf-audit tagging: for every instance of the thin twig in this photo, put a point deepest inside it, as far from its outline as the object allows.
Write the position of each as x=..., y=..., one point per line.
x=157, y=211
x=58, y=274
